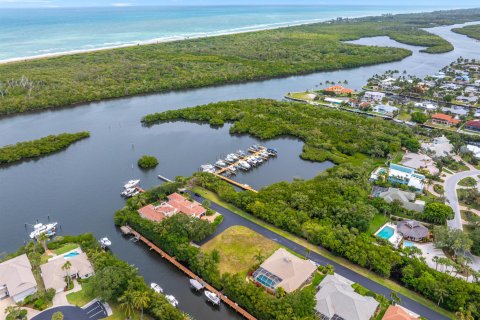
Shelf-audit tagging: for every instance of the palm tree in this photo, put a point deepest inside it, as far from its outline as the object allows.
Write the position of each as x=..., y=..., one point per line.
x=440, y=292
x=258, y=256
x=435, y=259
x=394, y=298
x=141, y=300
x=66, y=267
x=127, y=303
x=43, y=238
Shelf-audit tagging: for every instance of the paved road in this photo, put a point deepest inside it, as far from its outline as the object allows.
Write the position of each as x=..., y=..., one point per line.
x=232, y=219
x=69, y=313
x=451, y=195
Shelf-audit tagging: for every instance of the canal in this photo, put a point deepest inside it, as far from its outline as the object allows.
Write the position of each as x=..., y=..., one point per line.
x=80, y=187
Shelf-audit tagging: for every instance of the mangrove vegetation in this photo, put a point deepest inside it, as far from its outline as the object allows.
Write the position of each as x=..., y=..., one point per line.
x=472, y=31
x=67, y=80
x=41, y=147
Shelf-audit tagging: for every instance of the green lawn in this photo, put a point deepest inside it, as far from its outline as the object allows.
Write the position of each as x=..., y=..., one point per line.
x=84, y=296
x=300, y=95
x=319, y=250
x=377, y=221
x=467, y=182
x=238, y=247
x=397, y=157
x=65, y=248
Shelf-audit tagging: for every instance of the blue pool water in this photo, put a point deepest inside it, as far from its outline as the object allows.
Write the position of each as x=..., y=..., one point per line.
x=408, y=244
x=265, y=281
x=70, y=255
x=386, y=232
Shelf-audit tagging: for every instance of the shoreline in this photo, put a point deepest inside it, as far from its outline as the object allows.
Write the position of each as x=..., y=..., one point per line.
x=167, y=39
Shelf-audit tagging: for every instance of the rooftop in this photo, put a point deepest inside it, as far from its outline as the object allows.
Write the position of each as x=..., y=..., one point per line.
x=397, y=313
x=339, y=90
x=445, y=117
x=290, y=270
x=16, y=274
x=473, y=123
x=412, y=229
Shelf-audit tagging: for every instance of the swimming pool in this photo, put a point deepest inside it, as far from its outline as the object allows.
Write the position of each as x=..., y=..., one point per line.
x=386, y=232
x=408, y=244
x=71, y=255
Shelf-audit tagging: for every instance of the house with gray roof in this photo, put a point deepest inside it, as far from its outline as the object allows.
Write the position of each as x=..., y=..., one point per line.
x=336, y=299
x=413, y=230
x=16, y=278
x=407, y=199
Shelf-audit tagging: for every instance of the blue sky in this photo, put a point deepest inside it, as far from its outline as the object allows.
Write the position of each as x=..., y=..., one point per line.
x=84, y=3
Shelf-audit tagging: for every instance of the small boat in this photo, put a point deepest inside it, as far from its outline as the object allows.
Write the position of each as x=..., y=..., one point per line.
x=207, y=168
x=272, y=152
x=40, y=228
x=244, y=165
x=232, y=156
x=196, y=284
x=241, y=153
x=220, y=163
x=155, y=287
x=212, y=297
x=131, y=184
x=105, y=242
x=172, y=300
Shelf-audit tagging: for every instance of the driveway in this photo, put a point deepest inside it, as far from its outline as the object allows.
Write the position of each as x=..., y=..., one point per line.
x=451, y=195
x=94, y=311
x=232, y=219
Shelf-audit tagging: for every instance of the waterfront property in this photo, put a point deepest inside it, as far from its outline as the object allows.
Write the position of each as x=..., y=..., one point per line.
x=385, y=109
x=413, y=230
x=176, y=204
x=53, y=273
x=406, y=176
x=398, y=313
x=339, y=90
x=373, y=96
x=336, y=299
x=407, y=199
x=16, y=278
x=285, y=270
x=444, y=119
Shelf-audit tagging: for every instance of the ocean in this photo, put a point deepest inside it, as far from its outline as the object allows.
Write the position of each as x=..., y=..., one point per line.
x=39, y=32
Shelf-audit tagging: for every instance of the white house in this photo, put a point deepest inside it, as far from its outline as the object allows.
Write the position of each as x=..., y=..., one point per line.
x=426, y=106
x=385, y=109
x=373, y=96
x=16, y=279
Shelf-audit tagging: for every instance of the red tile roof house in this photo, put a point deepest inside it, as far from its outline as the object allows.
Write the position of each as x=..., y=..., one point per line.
x=445, y=119
x=339, y=90
x=176, y=204
x=473, y=125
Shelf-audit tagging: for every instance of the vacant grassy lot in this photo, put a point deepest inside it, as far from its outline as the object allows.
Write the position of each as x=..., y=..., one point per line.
x=240, y=248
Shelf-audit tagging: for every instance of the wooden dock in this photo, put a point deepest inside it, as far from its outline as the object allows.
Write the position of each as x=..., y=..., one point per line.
x=192, y=275
x=164, y=178
x=235, y=183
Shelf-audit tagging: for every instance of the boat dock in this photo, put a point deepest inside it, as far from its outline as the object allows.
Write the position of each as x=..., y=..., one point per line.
x=164, y=178
x=235, y=183
x=192, y=275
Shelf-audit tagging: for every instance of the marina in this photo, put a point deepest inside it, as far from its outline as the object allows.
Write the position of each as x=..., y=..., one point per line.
x=240, y=161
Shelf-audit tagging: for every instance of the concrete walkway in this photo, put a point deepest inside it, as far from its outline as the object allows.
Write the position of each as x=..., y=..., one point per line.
x=60, y=298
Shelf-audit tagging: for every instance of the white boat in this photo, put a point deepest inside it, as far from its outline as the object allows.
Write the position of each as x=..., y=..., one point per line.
x=105, y=242
x=207, y=168
x=155, y=287
x=40, y=228
x=212, y=297
x=127, y=192
x=232, y=156
x=172, y=300
x=131, y=184
x=244, y=165
x=220, y=163
x=196, y=284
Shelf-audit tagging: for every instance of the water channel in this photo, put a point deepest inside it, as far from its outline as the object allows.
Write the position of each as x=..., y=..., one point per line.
x=80, y=187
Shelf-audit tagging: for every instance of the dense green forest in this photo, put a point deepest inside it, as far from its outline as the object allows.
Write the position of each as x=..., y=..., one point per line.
x=472, y=31
x=66, y=80
x=328, y=135
x=332, y=210
x=174, y=235
x=37, y=148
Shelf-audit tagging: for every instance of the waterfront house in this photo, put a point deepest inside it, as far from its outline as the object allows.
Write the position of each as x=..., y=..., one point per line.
x=398, y=313
x=339, y=90
x=373, y=96
x=16, y=279
x=407, y=199
x=336, y=299
x=473, y=125
x=385, y=109
x=54, y=276
x=413, y=230
x=407, y=176
x=176, y=203
x=444, y=119
x=285, y=270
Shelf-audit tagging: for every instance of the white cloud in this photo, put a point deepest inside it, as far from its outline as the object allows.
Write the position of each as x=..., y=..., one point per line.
x=120, y=4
